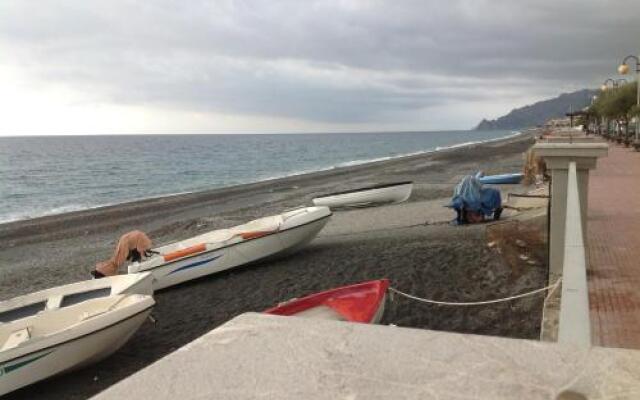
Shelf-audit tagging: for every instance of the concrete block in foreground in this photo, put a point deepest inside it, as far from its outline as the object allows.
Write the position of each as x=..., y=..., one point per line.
x=270, y=357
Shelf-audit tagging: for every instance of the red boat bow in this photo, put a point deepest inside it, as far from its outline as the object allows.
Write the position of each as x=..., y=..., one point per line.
x=356, y=303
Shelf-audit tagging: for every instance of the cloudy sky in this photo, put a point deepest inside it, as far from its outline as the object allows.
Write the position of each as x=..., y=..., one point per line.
x=108, y=67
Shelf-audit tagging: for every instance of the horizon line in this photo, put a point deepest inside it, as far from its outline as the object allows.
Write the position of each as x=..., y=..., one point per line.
x=243, y=133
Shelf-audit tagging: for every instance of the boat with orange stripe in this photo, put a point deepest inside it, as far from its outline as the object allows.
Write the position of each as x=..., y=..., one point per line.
x=223, y=249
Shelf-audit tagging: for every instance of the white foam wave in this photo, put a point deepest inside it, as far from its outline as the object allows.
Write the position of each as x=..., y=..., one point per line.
x=21, y=216
x=385, y=158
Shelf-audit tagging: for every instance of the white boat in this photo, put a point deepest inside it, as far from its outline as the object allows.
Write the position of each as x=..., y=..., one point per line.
x=367, y=196
x=68, y=295
x=49, y=343
x=223, y=249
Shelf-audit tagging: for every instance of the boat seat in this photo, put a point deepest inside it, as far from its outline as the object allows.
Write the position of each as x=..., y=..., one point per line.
x=54, y=302
x=16, y=338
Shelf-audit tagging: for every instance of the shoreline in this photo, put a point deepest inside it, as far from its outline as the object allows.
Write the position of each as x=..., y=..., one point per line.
x=345, y=164
x=31, y=226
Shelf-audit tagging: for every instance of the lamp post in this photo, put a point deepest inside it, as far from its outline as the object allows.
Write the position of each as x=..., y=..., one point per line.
x=623, y=69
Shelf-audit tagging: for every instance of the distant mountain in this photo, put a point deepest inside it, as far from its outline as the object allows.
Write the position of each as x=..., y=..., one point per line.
x=538, y=113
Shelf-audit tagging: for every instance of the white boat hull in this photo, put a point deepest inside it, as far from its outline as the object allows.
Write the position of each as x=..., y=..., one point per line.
x=367, y=197
x=86, y=343
x=288, y=238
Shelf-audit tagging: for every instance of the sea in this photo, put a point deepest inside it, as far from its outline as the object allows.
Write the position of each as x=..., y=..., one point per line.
x=47, y=175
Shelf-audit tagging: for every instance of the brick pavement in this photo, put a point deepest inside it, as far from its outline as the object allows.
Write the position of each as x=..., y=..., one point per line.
x=614, y=249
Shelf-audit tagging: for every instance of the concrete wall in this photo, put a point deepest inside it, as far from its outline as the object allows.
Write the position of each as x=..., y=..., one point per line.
x=257, y=356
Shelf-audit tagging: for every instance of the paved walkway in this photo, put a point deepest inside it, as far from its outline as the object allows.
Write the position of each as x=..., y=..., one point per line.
x=614, y=249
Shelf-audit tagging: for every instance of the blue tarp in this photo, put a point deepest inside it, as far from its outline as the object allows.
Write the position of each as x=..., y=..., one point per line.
x=471, y=196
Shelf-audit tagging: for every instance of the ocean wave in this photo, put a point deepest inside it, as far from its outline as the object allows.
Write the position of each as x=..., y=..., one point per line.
x=20, y=216
x=471, y=143
x=427, y=151
x=378, y=159
x=23, y=216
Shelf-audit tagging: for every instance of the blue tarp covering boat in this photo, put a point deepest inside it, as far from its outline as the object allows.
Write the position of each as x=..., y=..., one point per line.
x=470, y=196
x=502, y=179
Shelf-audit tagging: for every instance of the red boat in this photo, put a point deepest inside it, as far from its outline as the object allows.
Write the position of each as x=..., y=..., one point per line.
x=362, y=302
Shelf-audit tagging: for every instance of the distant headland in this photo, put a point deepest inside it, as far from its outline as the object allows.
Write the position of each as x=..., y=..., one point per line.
x=537, y=113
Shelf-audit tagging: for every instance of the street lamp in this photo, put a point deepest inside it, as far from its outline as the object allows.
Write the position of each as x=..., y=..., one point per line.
x=615, y=83
x=623, y=69
x=605, y=84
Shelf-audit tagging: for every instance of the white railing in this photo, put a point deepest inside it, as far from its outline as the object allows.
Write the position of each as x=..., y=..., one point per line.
x=574, y=324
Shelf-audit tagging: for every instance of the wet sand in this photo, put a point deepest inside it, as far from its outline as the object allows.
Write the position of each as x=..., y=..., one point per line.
x=412, y=244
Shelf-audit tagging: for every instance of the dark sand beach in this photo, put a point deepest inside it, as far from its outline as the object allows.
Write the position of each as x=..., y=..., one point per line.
x=412, y=244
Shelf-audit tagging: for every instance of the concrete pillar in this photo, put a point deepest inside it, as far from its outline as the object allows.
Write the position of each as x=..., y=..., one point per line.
x=557, y=156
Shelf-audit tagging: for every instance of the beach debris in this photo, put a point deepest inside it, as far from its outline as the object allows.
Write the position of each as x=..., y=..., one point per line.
x=524, y=257
x=532, y=262
x=95, y=378
x=521, y=243
x=491, y=244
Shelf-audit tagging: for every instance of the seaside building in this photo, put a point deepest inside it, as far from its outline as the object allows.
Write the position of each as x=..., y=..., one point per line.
x=557, y=123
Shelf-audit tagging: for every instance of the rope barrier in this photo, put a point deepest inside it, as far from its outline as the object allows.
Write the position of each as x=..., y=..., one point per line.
x=476, y=303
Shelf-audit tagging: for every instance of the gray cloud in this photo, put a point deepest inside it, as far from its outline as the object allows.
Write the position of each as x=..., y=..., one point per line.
x=327, y=61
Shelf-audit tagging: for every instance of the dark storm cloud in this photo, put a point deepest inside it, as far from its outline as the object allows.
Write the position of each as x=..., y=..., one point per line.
x=334, y=61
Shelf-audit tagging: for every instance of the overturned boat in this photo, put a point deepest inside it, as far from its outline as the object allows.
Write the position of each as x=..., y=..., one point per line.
x=223, y=249
x=68, y=295
x=367, y=196
x=42, y=345
x=363, y=302
x=502, y=179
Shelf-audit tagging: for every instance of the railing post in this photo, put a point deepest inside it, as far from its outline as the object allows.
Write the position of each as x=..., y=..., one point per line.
x=557, y=156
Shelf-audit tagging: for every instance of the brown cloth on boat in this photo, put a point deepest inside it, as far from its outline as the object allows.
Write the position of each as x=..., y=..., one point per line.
x=129, y=242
